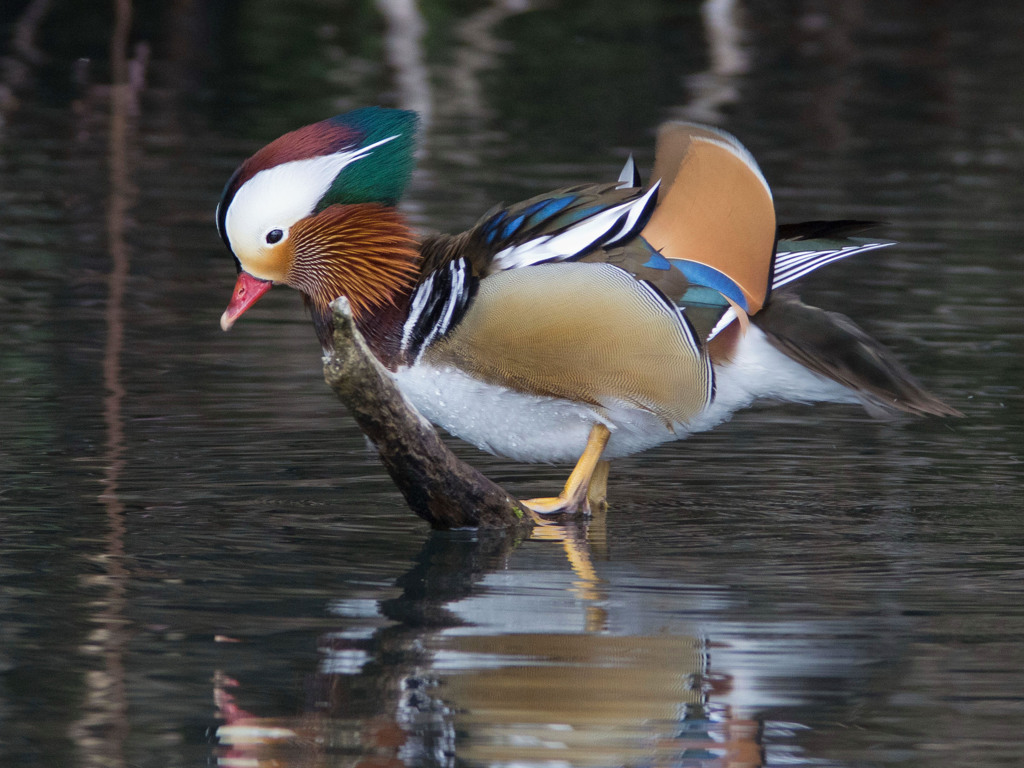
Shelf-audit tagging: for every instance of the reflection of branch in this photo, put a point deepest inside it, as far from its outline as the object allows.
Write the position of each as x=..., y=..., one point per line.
x=403, y=45
x=103, y=727
x=14, y=69
x=25, y=30
x=829, y=39
x=716, y=87
x=478, y=51
x=723, y=23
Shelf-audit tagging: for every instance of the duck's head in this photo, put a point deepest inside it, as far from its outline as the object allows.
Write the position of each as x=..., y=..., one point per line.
x=315, y=209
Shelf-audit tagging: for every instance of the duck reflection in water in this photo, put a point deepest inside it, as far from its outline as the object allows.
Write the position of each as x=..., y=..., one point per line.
x=459, y=670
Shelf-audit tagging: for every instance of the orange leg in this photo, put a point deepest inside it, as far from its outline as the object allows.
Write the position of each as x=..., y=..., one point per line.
x=575, y=497
x=597, y=491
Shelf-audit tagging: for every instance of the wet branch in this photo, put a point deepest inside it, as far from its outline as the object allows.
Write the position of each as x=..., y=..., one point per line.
x=438, y=487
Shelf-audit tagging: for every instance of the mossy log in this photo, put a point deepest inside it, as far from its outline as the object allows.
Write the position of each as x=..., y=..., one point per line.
x=440, y=488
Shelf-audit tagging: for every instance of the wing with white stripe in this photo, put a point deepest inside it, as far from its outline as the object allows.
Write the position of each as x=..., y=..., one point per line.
x=566, y=226
x=437, y=305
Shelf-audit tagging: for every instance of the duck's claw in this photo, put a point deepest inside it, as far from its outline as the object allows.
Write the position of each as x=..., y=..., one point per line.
x=588, y=481
x=559, y=505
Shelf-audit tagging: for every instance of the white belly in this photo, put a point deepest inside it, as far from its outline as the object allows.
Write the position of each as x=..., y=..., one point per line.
x=533, y=428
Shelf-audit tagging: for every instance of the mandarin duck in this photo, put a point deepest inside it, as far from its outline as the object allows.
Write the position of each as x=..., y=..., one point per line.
x=583, y=324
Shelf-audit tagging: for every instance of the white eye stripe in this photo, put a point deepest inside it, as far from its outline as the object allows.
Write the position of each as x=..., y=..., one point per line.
x=277, y=197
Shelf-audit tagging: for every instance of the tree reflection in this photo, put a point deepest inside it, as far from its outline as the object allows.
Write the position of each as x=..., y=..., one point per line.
x=101, y=731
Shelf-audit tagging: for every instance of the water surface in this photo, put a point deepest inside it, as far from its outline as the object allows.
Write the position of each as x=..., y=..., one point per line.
x=201, y=561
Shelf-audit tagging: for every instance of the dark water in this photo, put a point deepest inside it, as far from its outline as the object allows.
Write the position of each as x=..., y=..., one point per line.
x=201, y=562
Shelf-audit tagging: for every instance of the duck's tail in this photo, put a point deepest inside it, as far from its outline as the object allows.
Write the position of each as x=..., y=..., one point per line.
x=715, y=209
x=804, y=247
x=832, y=345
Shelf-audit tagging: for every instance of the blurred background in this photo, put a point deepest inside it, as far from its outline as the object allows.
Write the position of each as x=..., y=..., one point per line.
x=202, y=563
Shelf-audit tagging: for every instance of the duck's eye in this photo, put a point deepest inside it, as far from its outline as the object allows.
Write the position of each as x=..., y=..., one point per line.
x=274, y=236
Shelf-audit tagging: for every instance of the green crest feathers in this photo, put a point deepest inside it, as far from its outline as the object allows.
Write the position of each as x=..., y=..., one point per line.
x=381, y=175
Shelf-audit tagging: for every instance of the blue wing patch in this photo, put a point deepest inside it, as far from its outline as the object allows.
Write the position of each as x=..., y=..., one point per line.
x=701, y=274
x=701, y=278
x=545, y=209
x=657, y=261
x=502, y=228
x=508, y=230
